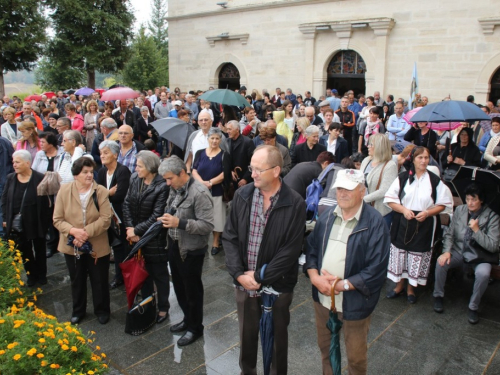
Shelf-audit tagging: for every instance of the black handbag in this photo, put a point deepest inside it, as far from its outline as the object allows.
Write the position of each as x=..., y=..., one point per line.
x=114, y=227
x=141, y=317
x=411, y=235
x=17, y=221
x=449, y=174
x=475, y=254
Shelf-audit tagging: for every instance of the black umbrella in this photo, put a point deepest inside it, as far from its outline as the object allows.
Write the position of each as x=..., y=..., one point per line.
x=153, y=231
x=450, y=111
x=69, y=91
x=266, y=328
x=334, y=324
x=489, y=179
x=115, y=86
x=174, y=130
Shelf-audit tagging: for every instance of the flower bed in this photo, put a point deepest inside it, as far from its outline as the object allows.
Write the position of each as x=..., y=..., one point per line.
x=32, y=342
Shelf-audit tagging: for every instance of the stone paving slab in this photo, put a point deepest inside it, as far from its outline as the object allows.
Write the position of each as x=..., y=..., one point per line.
x=403, y=338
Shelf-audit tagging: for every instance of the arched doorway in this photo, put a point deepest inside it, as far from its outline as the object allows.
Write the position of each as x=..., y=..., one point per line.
x=346, y=71
x=229, y=77
x=495, y=87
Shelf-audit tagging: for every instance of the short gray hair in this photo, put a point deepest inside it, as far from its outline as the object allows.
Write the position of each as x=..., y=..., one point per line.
x=311, y=129
x=144, y=108
x=73, y=135
x=109, y=123
x=150, y=160
x=23, y=154
x=234, y=123
x=172, y=164
x=111, y=145
x=215, y=131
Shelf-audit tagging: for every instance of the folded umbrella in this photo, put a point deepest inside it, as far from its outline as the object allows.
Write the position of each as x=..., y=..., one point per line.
x=85, y=91
x=266, y=325
x=174, y=130
x=225, y=96
x=334, y=324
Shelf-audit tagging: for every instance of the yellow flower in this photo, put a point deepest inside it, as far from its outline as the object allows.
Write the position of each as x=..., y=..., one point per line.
x=103, y=355
x=90, y=372
x=16, y=357
x=2, y=352
x=81, y=339
x=40, y=355
x=12, y=345
x=54, y=365
x=31, y=352
x=59, y=329
x=43, y=363
x=74, y=348
x=64, y=347
x=98, y=347
x=42, y=340
x=2, y=321
x=21, y=282
x=104, y=365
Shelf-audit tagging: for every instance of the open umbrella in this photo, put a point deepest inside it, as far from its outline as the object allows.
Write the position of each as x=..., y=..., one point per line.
x=334, y=324
x=100, y=91
x=69, y=91
x=119, y=93
x=33, y=97
x=85, y=91
x=225, y=96
x=450, y=111
x=49, y=94
x=266, y=326
x=432, y=125
x=489, y=179
x=174, y=130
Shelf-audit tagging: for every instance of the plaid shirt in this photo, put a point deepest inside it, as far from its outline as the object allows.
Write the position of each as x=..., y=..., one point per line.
x=258, y=221
x=174, y=198
x=128, y=159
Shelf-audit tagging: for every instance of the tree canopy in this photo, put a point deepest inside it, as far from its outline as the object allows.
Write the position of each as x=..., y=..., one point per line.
x=158, y=25
x=22, y=35
x=53, y=75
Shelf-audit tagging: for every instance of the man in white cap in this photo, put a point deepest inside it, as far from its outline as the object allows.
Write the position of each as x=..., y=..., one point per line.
x=177, y=107
x=349, y=252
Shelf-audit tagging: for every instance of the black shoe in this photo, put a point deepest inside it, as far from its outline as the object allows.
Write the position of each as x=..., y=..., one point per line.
x=103, y=319
x=31, y=281
x=115, y=284
x=76, y=319
x=473, y=316
x=438, y=304
x=412, y=298
x=215, y=250
x=392, y=294
x=42, y=281
x=188, y=338
x=49, y=253
x=160, y=319
x=179, y=327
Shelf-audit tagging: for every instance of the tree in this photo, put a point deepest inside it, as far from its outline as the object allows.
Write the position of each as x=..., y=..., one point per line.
x=52, y=75
x=22, y=35
x=158, y=25
x=91, y=35
x=146, y=66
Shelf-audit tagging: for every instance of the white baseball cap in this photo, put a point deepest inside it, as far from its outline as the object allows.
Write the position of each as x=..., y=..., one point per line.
x=178, y=102
x=349, y=179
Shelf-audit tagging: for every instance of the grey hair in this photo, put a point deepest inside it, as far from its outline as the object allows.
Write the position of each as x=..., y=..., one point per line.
x=172, y=164
x=109, y=123
x=311, y=129
x=144, y=108
x=73, y=135
x=234, y=123
x=150, y=160
x=111, y=145
x=27, y=103
x=215, y=131
x=309, y=109
x=23, y=154
x=189, y=96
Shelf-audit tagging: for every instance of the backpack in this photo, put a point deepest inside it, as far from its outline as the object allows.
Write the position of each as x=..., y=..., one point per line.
x=314, y=190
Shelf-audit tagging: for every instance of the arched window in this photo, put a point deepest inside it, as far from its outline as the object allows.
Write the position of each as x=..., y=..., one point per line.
x=346, y=71
x=495, y=87
x=229, y=77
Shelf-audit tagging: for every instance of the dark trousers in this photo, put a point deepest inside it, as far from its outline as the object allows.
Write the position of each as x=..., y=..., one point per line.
x=120, y=252
x=188, y=287
x=34, y=252
x=158, y=275
x=98, y=272
x=249, y=313
x=52, y=233
x=347, y=132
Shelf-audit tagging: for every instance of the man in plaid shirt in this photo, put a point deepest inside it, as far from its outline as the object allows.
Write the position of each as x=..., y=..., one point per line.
x=265, y=227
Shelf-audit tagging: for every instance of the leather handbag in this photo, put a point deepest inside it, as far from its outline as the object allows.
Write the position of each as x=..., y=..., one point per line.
x=17, y=221
x=228, y=189
x=141, y=317
x=475, y=254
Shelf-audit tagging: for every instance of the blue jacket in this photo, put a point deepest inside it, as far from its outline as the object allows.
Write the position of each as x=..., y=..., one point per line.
x=366, y=259
x=6, y=151
x=340, y=149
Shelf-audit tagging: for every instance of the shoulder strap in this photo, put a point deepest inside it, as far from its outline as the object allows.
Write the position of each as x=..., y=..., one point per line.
x=94, y=197
x=380, y=176
x=325, y=172
x=435, y=180
x=403, y=178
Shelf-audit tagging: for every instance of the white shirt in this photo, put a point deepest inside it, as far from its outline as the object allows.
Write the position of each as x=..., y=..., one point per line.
x=331, y=147
x=200, y=142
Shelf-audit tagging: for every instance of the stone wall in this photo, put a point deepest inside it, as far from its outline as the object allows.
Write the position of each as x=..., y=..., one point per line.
x=277, y=43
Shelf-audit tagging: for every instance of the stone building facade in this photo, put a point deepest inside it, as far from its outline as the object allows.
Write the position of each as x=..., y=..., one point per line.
x=314, y=44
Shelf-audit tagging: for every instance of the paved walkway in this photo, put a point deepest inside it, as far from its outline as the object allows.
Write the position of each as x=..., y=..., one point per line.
x=404, y=339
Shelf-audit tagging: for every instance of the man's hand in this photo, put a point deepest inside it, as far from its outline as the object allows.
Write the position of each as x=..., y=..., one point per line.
x=444, y=259
x=324, y=282
x=242, y=182
x=169, y=221
x=248, y=282
x=112, y=191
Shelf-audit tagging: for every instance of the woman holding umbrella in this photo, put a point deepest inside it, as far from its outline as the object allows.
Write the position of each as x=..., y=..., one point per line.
x=421, y=135
x=144, y=203
x=464, y=152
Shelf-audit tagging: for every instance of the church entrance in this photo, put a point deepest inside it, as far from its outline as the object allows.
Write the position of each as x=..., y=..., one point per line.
x=229, y=77
x=495, y=87
x=346, y=71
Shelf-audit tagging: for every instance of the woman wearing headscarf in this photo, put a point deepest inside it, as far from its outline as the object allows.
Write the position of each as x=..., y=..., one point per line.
x=417, y=196
x=464, y=152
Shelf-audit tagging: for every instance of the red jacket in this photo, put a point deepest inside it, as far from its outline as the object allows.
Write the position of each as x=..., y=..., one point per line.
x=39, y=123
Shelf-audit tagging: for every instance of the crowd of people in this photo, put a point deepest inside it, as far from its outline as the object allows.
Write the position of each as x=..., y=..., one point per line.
x=88, y=178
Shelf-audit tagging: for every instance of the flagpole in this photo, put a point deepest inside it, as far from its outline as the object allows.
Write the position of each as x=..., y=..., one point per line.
x=414, y=87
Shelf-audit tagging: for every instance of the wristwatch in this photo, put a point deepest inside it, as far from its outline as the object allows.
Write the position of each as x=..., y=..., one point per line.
x=346, y=285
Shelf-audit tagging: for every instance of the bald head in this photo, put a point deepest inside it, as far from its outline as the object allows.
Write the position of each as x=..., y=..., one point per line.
x=125, y=135
x=271, y=124
x=204, y=121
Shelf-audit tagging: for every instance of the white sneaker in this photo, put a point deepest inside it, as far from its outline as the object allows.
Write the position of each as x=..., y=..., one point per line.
x=302, y=259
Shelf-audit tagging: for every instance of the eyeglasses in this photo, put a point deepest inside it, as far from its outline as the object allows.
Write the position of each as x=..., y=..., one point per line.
x=123, y=133
x=258, y=172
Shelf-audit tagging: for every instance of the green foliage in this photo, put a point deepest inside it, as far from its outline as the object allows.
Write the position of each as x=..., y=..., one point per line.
x=91, y=35
x=52, y=75
x=22, y=32
x=147, y=67
x=158, y=25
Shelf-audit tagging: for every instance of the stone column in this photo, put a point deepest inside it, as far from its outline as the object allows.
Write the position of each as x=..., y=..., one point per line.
x=381, y=29
x=309, y=33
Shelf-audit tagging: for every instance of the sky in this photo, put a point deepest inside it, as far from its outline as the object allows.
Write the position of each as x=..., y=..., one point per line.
x=142, y=12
